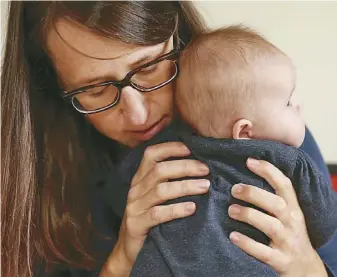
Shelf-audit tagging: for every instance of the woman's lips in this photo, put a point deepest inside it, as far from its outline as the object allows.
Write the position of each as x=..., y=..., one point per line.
x=151, y=131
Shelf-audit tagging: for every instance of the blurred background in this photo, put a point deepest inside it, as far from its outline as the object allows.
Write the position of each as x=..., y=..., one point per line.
x=307, y=32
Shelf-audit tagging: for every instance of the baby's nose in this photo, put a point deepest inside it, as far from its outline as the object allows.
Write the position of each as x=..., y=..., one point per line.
x=298, y=108
x=296, y=105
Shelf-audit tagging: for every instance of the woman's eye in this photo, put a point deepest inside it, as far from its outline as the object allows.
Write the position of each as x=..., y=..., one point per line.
x=149, y=69
x=289, y=104
x=97, y=92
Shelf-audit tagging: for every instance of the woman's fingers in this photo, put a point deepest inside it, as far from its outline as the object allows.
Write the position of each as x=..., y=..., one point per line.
x=287, y=230
x=157, y=153
x=169, y=190
x=161, y=214
x=262, y=252
x=271, y=203
x=282, y=185
x=267, y=224
x=168, y=170
x=150, y=187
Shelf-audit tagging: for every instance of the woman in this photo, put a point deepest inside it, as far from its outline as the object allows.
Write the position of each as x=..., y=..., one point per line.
x=64, y=122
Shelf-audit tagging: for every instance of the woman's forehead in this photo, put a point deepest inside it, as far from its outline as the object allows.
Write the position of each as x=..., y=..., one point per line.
x=81, y=40
x=80, y=55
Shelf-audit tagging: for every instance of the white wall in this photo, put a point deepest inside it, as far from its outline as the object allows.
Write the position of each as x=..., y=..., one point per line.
x=3, y=20
x=307, y=32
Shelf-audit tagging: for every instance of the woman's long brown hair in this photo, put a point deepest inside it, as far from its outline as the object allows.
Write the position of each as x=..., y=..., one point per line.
x=48, y=151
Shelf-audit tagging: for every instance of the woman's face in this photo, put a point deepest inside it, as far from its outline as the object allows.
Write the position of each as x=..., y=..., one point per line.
x=83, y=58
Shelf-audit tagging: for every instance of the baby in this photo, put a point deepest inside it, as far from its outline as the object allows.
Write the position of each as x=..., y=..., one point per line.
x=242, y=87
x=234, y=92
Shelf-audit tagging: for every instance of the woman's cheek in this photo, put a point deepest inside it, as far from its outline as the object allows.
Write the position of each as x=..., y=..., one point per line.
x=106, y=123
x=164, y=100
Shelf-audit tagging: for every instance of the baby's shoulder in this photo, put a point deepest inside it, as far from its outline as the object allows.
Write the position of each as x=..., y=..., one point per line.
x=290, y=160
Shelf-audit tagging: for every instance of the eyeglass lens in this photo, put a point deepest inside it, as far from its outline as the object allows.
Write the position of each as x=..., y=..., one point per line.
x=146, y=78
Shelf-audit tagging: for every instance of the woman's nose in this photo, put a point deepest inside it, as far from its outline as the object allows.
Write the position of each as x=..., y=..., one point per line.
x=134, y=106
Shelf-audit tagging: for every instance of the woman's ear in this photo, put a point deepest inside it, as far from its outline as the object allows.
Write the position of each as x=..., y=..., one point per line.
x=242, y=129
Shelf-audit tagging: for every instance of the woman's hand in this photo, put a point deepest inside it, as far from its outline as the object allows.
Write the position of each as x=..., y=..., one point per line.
x=150, y=187
x=290, y=252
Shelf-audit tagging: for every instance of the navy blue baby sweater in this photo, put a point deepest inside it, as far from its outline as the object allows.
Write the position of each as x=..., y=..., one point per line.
x=199, y=245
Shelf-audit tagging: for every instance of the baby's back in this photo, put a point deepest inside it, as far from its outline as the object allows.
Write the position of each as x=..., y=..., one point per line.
x=199, y=245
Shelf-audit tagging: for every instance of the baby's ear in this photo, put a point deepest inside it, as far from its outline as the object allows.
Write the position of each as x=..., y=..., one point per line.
x=242, y=129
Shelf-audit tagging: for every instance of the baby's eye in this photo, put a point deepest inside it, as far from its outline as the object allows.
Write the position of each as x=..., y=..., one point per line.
x=289, y=104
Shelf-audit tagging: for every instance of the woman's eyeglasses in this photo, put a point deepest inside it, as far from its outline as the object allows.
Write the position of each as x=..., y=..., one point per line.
x=148, y=77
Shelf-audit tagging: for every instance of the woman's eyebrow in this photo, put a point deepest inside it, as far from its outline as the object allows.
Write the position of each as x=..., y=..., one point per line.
x=146, y=57
x=87, y=81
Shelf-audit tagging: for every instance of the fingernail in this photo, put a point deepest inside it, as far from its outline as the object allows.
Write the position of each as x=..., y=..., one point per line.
x=203, y=184
x=253, y=162
x=190, y=207
x=234, y=237
x=186, y=149
x=204, y=168
x=238, y=188
x=234, y=210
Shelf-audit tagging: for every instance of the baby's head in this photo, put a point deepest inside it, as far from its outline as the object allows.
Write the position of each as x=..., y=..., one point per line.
x=235, y=84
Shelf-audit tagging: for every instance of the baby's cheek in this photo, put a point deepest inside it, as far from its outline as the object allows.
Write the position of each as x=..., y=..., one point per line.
x=292, y=128
x=302, y=135
x=298, y=131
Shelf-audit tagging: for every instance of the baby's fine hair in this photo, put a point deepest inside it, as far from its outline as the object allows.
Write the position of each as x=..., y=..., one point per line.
x=220, y=74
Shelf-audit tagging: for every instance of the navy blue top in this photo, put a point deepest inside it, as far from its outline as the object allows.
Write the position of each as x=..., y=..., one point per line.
x=107, y=222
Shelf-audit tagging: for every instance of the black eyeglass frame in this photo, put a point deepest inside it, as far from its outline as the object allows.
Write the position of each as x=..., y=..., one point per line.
x=172, y=55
